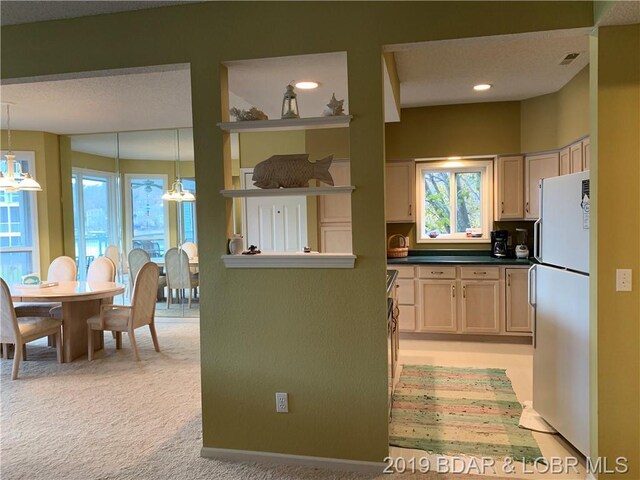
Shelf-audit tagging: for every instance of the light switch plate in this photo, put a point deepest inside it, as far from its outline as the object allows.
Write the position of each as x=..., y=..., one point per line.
x=623, y=280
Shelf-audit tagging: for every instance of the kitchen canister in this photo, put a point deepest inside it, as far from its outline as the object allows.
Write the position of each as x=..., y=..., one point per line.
x=236, y=245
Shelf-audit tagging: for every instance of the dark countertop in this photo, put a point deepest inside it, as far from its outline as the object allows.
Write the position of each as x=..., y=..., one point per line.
x=471, y=257
x=391, y=278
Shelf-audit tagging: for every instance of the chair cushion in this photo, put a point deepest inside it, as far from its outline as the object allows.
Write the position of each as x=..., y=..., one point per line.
x=56, y=312
x=34, y=326
x=116, y=319
x=35, y=309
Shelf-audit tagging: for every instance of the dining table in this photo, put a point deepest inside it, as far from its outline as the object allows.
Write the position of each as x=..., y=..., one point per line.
x=80, y=300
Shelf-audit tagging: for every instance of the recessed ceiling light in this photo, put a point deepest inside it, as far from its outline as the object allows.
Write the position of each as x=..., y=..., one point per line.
x=482, y=87
x=306, y=85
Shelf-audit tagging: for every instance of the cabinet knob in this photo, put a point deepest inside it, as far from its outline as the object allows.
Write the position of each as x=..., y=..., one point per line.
x=502, y=207
x=509, y=280
x=479, y=273
x=436, y=273
x=409, y=209
x=464, y=292
x=453, y=291
x=527, y=207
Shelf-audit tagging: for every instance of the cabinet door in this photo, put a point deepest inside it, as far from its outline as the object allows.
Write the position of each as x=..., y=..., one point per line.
x=335, y=238
x=407, y=319
x=510, y=180
x=400, y=192
x=537, y=167
x=565, y=161
x=336, y=208
x=480, y=306
x=586, y=154
x=518, y=314
x=438, y=306
x=575, y=153
x=405, y=289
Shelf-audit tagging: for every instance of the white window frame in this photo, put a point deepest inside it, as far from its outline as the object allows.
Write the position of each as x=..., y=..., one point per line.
x=128, y=177
x=30, y=157
x=469, y=164
x=114, y=234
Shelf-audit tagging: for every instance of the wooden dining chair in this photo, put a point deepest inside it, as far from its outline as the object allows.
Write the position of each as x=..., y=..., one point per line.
x=179, y=277
x=126, y=318
x=191, y=249
x=19, y=331
x=113, y=254
x=61, y=269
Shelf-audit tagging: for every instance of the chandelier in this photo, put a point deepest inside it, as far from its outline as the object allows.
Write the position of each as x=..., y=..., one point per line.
x=12, y=178
x=177, y=192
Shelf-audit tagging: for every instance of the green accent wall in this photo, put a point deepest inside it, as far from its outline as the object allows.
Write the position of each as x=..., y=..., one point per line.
x=617, y=183
x=555, y=120
x=319, y=335
x=47, y=154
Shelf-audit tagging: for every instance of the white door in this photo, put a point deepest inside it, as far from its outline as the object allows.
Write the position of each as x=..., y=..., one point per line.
x=274, y=224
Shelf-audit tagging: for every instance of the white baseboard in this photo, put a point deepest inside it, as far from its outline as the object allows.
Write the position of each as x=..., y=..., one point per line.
x=280, y=458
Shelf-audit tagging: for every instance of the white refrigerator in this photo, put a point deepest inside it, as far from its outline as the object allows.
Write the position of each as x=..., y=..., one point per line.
x=559, y=295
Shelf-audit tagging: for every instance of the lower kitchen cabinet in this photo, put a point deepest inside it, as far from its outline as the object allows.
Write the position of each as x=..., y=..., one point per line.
x=438, y=306
x=480, y=306
x=518, y=312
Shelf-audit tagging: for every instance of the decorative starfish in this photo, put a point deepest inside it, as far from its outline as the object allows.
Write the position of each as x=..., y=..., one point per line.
x=336, y=105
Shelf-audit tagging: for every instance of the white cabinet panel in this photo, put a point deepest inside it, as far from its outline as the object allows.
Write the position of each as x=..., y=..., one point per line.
x=336, y=208
x=400, y=191
x=407, y=319
x=537, y=167
x=335, y=238
x=509, y=188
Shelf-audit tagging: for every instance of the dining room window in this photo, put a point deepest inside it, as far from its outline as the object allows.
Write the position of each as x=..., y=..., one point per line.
x=147, y=214
x=188, y=211
x=19, y=252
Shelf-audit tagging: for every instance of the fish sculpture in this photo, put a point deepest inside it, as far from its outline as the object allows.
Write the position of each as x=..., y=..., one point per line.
x=291, y=171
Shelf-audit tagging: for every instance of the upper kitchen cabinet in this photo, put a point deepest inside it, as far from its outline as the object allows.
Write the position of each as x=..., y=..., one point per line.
x=536, y=168
x=586, y=153
x=565, y=161
x=576, y=157
x=509, y=188
x=400, y=192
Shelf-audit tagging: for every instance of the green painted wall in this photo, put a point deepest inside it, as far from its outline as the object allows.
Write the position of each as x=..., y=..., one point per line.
x=557, y=119
x=318, y=334
x=617, y=179
x=50, y=231
x=454, y=130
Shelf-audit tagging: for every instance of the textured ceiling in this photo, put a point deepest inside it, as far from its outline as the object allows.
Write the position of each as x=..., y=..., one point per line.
x=518, y=67
x=14, y=12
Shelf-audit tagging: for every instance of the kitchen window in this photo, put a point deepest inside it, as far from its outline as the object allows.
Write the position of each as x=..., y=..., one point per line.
x=454, y=201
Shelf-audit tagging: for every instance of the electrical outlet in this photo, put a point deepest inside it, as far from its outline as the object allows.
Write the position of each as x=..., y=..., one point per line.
x=623, y=280
x=282, y=402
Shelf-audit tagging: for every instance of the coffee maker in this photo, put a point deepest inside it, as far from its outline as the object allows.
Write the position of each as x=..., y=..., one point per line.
x=499, y=240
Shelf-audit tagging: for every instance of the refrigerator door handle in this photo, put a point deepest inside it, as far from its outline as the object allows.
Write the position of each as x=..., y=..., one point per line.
x=537, y=233
x=531, y=298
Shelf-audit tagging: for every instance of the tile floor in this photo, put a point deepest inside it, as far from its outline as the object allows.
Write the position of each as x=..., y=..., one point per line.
x=517, y=359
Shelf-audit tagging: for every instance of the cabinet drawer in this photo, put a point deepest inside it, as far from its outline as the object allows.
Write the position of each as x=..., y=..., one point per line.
x=480, y=273
x=406, y=291
x=407, y=318
x=403, y=272
x=436, y=271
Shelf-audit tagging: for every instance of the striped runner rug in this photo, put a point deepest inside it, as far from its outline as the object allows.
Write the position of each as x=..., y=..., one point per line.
x=459, y=411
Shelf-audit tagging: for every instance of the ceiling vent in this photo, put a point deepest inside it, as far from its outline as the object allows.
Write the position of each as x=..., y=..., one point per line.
x=569, y=58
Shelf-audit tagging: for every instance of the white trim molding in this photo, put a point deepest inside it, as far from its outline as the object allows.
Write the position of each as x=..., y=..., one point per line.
x=284, y=459
x=290, y=260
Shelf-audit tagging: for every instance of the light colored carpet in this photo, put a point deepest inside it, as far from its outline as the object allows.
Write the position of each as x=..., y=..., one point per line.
x=115, y=418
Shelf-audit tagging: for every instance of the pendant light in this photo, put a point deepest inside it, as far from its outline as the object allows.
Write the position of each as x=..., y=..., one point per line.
x=290, y=104
x=13, y=179
x=177, y=192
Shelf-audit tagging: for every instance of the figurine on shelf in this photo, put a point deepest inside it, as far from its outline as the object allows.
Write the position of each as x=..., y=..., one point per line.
x=334, y=108
x=291, y=171
x=248, y=115
x=253, y=250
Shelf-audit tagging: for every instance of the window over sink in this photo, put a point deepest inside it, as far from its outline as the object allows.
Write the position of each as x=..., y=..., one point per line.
x=454, y=200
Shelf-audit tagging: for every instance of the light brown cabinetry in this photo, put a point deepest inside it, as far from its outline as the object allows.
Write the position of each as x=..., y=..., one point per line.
x=509, y=188
x=438, y=306
x=334, y=213
x=565, y=161
x=464, y=299
x=586, y=153
x=480, y=306
x=576, y=156
x=400, y=188
x=518, y=312
x=537, y=167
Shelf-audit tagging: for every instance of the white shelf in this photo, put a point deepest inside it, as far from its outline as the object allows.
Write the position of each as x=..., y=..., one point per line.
x=287, y=192
x=290, y=260
x=286, y=124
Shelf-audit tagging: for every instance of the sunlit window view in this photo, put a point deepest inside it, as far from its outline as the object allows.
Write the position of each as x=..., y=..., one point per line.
x=190, y=231
x=18, y=217
x=455, y=201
